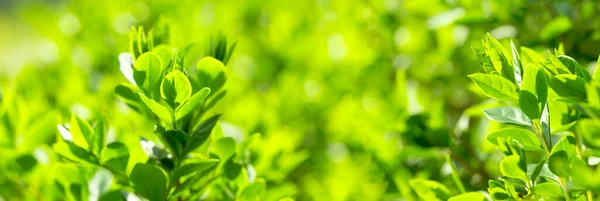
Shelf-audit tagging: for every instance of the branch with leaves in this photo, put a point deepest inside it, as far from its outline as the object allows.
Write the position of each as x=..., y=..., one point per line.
x=190, y=157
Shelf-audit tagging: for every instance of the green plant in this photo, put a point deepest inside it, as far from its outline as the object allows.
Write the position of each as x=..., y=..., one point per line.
x=549, y=127
x=188, y=158
x=550, y=116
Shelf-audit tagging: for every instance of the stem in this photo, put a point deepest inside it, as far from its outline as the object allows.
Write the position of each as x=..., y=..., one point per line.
x=455, y=175
x=563, y=186
x=579, y=151
x=538, y=131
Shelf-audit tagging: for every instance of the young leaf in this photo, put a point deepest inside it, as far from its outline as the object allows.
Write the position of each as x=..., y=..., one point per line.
x=508, y=115
x=499, y=57
x=115, y=156
x=149, y=182
x=529, y=56
x=128, y=93
x=534, y=92
x=496, y=86
x=525, y=137
x=74, y=152
x=81, y=131
x=192, y=103
x=574, y=67
x=429, y=190
x=159, y=110
x=164, y=52
x=567, y=144
x=147, y=72
x=557, y=65
x=548, y=189
x=175, y=88
x=484, y=60
x=569, y=86
x=558, y=163
x=470, y=196
x=99, y=137
x=255, y=191
x=518, y=67
x=223, y=148
x=510, y=167
x=211, y=73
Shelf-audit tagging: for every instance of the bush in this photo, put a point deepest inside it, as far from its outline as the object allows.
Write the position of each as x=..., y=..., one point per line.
x=321, y=100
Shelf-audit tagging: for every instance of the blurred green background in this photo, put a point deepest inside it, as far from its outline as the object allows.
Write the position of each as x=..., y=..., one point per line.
x=351, y=98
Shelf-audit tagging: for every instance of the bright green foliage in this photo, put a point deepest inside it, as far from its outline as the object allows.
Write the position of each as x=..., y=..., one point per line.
x=321, y=100
x=554, y=172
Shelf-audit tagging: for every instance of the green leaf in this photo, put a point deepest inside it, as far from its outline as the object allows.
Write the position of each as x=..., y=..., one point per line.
x=113, y=195
x=175, y=140
x=164, y=52
x=496, y=86
x=26, y=162
x=530, y=56
x=499, y=57
x=508, y=115
x=484, y=60
x=536, y=170
x=200, y=134
x=558, y=163
x=534, y=92
x=590, y=132
x=548, y=189
x=147, y=72
x=223, y=148
x=128, y=93
x=197, y=167
x=567, y=144
x=574, y=67
x=557, y=66
x=211, y=73
x=175, y=88
x=115, y=156
x=518, y=67
x=159, y=110
x=511, y=167
x=470, y=196
x=499, y=194
x=98, y=137
x=192, y=103
x=255, y=191
x=429, y=190
x=74, y=152
x=232, y=169
x=214, y=100
x=81, y=131
x=569, y=86
x=525, y=137
x=596, y=75
x=149, y=182
x=556, y=27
